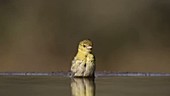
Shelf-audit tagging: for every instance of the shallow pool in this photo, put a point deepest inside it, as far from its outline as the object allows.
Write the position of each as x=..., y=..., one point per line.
x=101, y=86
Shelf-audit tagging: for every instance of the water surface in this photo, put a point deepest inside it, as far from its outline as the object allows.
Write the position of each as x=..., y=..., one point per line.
x=101, y=86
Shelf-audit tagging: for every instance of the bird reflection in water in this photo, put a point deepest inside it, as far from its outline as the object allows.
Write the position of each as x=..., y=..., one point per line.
x=83, y=87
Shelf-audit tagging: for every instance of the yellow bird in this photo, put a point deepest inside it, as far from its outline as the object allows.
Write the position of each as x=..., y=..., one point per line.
x=83, y=64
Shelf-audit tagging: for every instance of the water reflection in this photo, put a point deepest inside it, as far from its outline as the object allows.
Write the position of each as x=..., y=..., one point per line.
x=83, y=87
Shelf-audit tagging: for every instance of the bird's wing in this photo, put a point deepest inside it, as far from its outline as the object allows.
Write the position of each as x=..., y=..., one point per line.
x=77, y=67
x=74, y=65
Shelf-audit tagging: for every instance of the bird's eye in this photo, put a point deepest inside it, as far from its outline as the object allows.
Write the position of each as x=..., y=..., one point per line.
x=84, y=46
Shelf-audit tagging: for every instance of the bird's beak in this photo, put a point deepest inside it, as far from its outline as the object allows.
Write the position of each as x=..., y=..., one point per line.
x=89, y=47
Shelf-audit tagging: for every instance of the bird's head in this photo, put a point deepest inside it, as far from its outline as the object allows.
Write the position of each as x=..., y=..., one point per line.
x=85, y=46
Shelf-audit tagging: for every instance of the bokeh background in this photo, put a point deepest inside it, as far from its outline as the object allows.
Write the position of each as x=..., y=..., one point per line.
x=42, y=35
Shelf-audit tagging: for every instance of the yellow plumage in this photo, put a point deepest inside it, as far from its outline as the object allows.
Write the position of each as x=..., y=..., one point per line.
x=83, y=64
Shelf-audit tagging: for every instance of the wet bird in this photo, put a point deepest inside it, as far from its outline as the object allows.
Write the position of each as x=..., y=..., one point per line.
x=83, y=64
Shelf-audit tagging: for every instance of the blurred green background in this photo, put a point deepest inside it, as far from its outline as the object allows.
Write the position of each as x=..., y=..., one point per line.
x=42, y=35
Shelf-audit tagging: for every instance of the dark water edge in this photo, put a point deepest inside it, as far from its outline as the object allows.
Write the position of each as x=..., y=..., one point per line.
x=97, y=74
